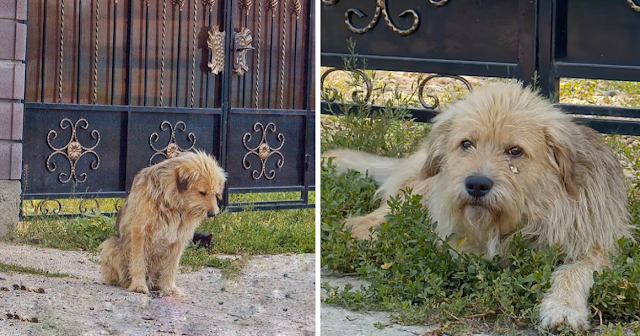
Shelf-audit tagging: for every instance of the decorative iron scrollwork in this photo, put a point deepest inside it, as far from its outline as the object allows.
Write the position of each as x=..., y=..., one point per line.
x=83, y=209
x=171, y=149
x=437, y=3
x=633, y=5
x=45, y=208
x=177, y=3
x=381, y=8
x=242, y=44
x=272, y=5
x=436, y=101
x=263, y=151
x=355, y=95
x=73, y=150
x=295, y=7
x=216, y=45
x=118, y=204
x=246, y=5
x=208, y=3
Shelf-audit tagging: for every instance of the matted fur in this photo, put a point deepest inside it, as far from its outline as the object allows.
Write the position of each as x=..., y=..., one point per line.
x=569, y=189
x=157, y=220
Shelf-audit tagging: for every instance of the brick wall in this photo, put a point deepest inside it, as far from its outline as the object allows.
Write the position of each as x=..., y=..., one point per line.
x=13, y=30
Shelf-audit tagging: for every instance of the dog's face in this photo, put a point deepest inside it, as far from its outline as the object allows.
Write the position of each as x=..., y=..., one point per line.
x=200, y=183
x=495, y=156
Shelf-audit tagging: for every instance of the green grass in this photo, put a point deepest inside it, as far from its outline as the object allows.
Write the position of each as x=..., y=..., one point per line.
x=238, y=233
x=8, y=268
x=421, y=282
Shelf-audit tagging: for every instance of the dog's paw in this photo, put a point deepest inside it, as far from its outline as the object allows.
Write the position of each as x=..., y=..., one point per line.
x=553, y=313
x=171, y=291
x=138, y=288
x=360, y=228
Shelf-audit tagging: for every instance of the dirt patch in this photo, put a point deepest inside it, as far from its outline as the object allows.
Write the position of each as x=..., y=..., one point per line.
x=274, y=295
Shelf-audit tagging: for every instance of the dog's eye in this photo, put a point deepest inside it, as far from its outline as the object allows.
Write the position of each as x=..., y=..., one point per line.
x=515, y=152
x=203, y=193
x=466, y=144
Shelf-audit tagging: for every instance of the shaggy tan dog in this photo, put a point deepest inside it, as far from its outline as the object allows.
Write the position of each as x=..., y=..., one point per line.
x=157, y=220
x=504, y=159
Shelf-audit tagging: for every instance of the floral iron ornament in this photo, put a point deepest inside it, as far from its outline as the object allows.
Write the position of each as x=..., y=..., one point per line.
x=73, y=150
x=263, y=151
x=215, y=42
x=171, y=149
x=381, y=10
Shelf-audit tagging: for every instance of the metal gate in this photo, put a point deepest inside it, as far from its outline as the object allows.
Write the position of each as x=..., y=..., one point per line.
x=535, y=41
x=115, y=86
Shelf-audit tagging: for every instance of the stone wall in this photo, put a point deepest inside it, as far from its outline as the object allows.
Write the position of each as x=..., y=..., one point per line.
x=13, y=29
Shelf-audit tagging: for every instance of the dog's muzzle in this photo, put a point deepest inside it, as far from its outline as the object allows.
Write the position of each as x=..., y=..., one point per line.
x=211, y=214
x=477, y=185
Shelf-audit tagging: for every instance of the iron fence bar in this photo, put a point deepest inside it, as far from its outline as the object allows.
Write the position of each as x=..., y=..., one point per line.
x=129, y=52
x=226, y=92
x=178, y=58
x=234, y=208
x=310, y=101
x=244, y=77
x=208, y=79
x=120, y=108
x=295, y=49
x=246, y=190
x=113, y=50
x=42, y=58
x=78, y=53
x=268, y=84
x=146, y=52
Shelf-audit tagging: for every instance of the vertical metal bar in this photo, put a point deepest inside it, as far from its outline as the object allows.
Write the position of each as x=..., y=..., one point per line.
x=244, y=77
x=164, y=32
x=193, y=52
x=206, y=94
x=273, y=17
x=43, y=51
x=295, y=52
x=146, y=52
x=79, y=52
x=95, y=54
x=310, y=103
x=129, y=52
x=61, y=60
x=226, y=80
x=113, y=50
x=178, y=58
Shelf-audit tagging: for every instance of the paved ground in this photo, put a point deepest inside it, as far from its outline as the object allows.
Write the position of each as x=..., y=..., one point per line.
x=337, y=321
x=273, y=296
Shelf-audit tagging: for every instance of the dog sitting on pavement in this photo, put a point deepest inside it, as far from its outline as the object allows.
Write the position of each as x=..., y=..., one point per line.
x=157, y=220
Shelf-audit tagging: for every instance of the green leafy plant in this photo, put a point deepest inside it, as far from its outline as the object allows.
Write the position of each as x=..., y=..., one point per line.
x=418, y=278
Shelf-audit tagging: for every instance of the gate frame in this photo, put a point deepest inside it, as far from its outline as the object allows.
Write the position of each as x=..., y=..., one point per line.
x=224, y=128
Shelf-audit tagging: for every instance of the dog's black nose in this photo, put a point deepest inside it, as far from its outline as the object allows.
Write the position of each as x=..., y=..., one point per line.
x=478, y=186
x=211, y=214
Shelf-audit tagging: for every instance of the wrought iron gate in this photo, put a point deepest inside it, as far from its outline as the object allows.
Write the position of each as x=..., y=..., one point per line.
x=535, y=41
x=115, y=86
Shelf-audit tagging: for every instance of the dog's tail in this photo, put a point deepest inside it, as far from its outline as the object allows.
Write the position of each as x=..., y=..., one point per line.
x=378, y=167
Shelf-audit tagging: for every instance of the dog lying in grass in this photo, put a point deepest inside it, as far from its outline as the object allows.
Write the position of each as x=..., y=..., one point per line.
x=158, y=219
x=504, y=160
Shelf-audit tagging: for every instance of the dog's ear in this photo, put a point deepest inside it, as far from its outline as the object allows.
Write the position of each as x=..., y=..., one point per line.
x=184, y=176
x=558, y=137
x=435, y=146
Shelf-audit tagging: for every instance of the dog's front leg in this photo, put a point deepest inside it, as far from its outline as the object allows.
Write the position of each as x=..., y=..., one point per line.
x=137, y=263
x=567, y=299
x=168, y=271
